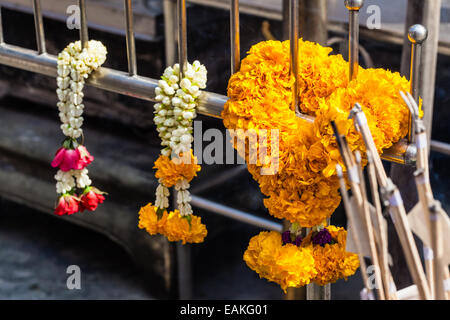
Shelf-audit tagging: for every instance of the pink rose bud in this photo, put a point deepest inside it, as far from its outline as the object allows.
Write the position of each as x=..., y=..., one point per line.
x=67, y=205
x=72, y=159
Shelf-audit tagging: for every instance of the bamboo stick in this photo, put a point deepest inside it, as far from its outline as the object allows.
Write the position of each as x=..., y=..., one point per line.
x=369, y=229
x=397, y=209
x=351, y=218
x=382, y=241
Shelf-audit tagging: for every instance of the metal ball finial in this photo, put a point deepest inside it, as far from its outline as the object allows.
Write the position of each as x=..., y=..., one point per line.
x=417, y=34
x=354, y=4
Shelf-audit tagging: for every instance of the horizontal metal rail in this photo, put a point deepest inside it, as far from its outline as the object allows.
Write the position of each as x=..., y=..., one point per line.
x=440, y=147
x=211, y=104
x=235, y=214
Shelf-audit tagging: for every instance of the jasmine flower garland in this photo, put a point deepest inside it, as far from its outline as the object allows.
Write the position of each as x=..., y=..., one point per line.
x=175, y=110
x=74, y=65
x=174, y=114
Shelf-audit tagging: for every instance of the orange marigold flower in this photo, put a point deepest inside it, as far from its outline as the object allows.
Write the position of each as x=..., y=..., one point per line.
x=287, y=265
x=304, y=189
x=148, y=219
x=179, y=228
x=174, y=170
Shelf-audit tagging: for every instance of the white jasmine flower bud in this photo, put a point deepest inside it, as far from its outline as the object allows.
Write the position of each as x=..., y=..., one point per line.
x=169, y=122
x=166, y=101
x=185, y=83
x=186, y=139
x=188, y=115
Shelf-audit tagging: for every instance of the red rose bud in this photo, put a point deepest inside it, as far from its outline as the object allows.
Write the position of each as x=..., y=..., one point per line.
x=90, y=200
x=67, y=205
x=68, y=159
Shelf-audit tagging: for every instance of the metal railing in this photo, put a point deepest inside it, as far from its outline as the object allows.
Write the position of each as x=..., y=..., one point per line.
x=211, y=104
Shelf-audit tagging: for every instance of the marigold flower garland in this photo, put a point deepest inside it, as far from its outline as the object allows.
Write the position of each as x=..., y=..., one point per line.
x=305, y=189
x=75, y=64
x=176, y=166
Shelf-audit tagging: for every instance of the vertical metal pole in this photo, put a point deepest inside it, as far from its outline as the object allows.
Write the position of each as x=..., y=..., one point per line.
x=131, y=46
x=84, y=35
x=39, y=27
x=316, y=292
x=293, y=37
x=428, y=14
x=353, y=7
x=235, y=37
x=2, y=39
x=295, y=293
x=417, y=34
x=182, y=35
x=313, y=21
x=170, y=27
x=184, y=263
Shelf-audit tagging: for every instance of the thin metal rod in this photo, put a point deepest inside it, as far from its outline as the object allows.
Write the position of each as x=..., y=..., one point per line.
x=84, y=35
x=235, y=37
x=235, y=214
x=39, y=27
x=440, y=147
x=182, y=35
x=353, y=37
x=2, y=39
x=293, y=37
x=131, y=46
x=170, y=37
x=416, y=35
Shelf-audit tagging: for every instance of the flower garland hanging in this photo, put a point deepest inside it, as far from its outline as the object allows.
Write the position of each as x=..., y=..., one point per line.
x=305, y=188
x=176, y=166
x=74, y=65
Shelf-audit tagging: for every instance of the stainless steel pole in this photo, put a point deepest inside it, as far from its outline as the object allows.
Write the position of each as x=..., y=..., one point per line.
x=182, y=35
x=131, y=46
x=353, y=7
x=84, y=35
x=235, y=37
x=39, y=26
x=293, y=36
x=417, y=34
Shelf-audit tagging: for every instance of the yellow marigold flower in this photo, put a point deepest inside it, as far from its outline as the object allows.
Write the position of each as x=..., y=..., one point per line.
x=178, y=228
x=287, y=265
x=332, y=261
x=172, y=171
x=149, y=221
x=305, y=187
